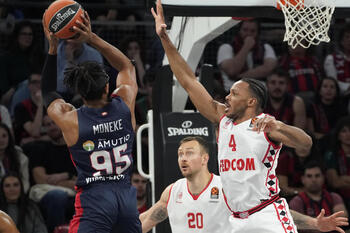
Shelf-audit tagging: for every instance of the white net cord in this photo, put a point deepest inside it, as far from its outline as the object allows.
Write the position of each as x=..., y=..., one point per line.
x=307, y=23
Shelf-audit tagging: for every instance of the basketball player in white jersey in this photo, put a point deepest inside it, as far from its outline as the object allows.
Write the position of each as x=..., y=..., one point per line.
x=196, y=204
x=249, y=143
x=191, y=203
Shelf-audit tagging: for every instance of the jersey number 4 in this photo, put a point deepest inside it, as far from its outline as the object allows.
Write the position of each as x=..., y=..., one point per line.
x=195, y=220
x=101, y=161
x=232, y=142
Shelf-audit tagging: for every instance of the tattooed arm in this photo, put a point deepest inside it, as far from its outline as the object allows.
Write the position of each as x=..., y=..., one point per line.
x=321, y=223
x=157, y=213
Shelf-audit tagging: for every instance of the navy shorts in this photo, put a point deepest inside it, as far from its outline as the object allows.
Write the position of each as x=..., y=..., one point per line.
x=106, y=208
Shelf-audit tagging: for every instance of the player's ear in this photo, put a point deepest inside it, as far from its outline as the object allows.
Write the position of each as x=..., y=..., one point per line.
x=252, y=102
x=205, y=158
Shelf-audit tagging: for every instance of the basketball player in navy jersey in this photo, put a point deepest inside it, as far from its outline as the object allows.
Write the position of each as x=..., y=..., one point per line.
x=99, y=135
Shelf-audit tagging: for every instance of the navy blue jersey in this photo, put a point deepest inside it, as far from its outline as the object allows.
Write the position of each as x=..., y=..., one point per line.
x=103, y=150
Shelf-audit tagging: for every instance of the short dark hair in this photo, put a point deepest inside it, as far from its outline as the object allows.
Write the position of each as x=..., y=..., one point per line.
x=88, y=79
x=280, y=72
x=258, y=90
x=200, y=140
x=313, y=164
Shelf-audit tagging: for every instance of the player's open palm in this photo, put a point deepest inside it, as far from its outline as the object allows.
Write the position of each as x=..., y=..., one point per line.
x=332, y=222
x=266, y=124
x=159, y=19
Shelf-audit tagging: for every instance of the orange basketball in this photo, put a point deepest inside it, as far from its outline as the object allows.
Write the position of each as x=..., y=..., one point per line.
x=60, y=17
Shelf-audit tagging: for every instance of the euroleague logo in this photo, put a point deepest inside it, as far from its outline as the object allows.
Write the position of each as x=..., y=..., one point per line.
x=62, y=17
x=214, y=193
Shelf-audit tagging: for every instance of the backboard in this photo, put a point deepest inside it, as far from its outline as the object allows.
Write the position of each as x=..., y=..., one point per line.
x=237, y=8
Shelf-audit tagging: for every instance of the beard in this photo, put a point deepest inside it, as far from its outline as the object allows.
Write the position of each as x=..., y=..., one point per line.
x=238, y=114
x=277, y=98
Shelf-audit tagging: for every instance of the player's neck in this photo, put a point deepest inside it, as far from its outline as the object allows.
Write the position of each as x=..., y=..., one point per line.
x=197, y=183
x=248, y=115
x=96, y=103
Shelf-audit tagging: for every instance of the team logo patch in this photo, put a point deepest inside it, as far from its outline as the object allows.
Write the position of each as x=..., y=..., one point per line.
x=252, y=122
x=179, y=197
x=88, y=145
x=214, y=193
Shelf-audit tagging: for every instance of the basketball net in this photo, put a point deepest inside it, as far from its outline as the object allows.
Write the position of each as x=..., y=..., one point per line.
x=307, y=21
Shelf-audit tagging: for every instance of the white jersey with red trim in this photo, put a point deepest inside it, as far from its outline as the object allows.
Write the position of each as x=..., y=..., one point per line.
x=247, y=162
x=205, y=213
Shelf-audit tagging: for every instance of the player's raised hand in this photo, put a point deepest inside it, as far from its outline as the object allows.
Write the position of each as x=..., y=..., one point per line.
x=84, y=33
x=331, y=223
x=159, y=19
x=266, y=124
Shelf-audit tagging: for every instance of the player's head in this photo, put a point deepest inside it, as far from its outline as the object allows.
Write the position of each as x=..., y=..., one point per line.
x=245, y=95
x=277, y=84
x=313, y=178
x=193, y=156
x=88, y=79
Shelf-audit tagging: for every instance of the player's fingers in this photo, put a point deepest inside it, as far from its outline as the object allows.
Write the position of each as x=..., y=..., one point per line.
x=159, y=8
x=321, y=213
x=339, y=230
x=87, y=16
x=82, y=26
x=163, y=25
x=338, y=213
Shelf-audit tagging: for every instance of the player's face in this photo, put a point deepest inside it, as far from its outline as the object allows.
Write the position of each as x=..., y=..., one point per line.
x=12, y=189
x=140, y=183
x=190, y=158
x=249, y=28
x=344, y=135
x=4, y=139
x=53, y=131
x=276, y=86
x=236, y=101
x=328, y=89
x=25, y=37
x=313, y=180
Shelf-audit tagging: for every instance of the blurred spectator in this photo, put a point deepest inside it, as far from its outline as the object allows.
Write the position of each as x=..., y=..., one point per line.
x=246, y=57
x=5, y=117
x=140, y=183
x=29, y=114
x=12, y=158
x=22, y=56
x=337, y=160
x=70, y=51
x=144, y=102
x=304, y=71
x=282, y=105
x=133, y=49
x=24, y=212
x=290, y=169
x=54, y=176
x=315, y=197
x=327, y=108
x=337, y=64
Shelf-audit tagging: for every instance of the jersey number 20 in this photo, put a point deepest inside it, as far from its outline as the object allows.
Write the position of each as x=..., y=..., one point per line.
x=101, y=161
x=195, y=220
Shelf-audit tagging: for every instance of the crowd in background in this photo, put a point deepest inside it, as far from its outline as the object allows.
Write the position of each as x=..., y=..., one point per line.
x=307, y=88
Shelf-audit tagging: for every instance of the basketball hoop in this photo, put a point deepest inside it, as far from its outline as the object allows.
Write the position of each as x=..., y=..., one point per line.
x=307, y=21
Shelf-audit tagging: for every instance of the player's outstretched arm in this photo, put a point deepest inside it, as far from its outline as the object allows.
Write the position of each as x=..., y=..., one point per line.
x=206, y=105
x=126, y=80
x=321, y=223
x=157, y=213
x=279, y=132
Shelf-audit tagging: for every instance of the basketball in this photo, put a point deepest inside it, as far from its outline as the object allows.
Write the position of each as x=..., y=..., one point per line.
x=60, y=17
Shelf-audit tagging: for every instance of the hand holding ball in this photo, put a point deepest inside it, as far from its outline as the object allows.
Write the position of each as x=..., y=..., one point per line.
x=61, y=16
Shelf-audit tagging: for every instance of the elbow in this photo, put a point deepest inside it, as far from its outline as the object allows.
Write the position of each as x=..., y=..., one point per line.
x=307, y=143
